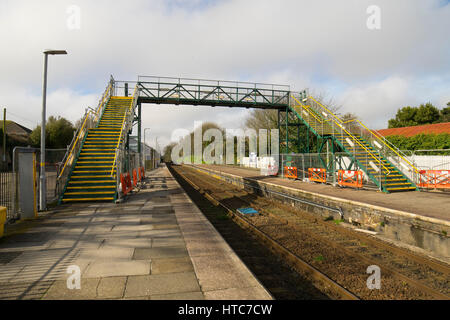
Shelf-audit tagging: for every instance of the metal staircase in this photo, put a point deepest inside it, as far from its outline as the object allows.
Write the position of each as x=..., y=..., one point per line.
x=373, y=154
x=95, y=160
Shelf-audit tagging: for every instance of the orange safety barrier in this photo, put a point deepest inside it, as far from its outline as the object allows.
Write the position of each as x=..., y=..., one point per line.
x=350, y=178
x=434, y=179
x=129, y=182
x=122, y=182
x=143, y=172
x=126, y=183
x=317, y=174
x=290, y=172
x=134, y=178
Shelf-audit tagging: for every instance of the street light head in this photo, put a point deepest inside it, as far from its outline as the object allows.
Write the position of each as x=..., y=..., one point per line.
x=48, y=51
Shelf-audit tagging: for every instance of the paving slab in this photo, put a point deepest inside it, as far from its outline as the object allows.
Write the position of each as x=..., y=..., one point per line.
x=99, y=269
x=159, y=252
x=59, y=290
x=197, y=295
x=172, y=265
x=156, y=245
x=111, y=287
x=161, y=284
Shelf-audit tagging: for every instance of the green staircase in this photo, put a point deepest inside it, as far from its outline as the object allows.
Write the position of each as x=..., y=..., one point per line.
x=93, y=177
x=351, y=137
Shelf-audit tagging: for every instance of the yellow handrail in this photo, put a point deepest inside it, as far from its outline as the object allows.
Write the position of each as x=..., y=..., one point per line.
x=121, y=133
x=118, y=143
x=356, y=140
x=105, y=94
x=103, y=98
x=75, y=143
x=306, y=108
x=376, y=135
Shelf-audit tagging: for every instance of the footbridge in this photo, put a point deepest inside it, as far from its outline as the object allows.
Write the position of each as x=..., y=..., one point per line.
x=99, y=155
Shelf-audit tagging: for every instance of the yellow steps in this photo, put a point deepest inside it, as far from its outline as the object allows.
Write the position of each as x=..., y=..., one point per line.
x=92, y=187
x=88, y=199
x=90, y=181
x=98, y=192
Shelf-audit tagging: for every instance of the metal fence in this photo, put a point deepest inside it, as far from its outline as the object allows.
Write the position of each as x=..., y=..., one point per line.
x=433, y=159
x=436, y=160
x=7, y=187
x=10, y=182
x=332, y=164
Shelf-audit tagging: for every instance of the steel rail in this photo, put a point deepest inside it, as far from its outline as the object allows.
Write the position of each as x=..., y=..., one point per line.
x=298, y=263
x=284, y=195
x=436, y=265
x=418, y=285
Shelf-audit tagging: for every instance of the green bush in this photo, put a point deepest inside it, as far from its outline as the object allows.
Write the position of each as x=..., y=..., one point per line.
x=422, y=142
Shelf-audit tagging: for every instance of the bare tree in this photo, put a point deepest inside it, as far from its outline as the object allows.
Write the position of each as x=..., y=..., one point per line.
x=324, y=98
x=267, y=118
x=262, y=119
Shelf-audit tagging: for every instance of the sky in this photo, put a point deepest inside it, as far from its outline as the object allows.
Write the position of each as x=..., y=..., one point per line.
x=323, y=45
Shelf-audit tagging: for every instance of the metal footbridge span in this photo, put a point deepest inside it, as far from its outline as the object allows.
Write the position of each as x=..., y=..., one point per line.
x=99, y=153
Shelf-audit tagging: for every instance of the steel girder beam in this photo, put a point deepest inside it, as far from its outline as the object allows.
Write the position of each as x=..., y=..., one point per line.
x=188, y=91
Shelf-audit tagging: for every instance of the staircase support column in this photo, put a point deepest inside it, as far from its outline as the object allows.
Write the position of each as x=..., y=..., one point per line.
x=308, y=132
x=279, y=142
x=139, y=134
x=287, y=131
x=333, y=165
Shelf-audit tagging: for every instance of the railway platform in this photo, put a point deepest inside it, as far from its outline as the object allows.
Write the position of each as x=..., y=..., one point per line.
x=425, y=204
x=155, y=245
x=420, y=219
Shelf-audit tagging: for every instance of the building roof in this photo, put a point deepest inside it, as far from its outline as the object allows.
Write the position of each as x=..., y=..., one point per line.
x=16, y=131
x=435, y=128
x=15, y=128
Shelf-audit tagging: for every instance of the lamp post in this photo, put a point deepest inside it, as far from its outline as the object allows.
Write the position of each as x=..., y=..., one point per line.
x=42, y=187
x=157, y=152
x=145, y=144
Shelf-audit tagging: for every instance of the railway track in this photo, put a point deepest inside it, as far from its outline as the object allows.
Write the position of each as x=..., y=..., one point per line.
x=324, y=251
x=275, y=274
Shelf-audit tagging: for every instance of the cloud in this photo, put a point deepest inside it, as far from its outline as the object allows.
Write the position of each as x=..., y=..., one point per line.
x=377, y=102
x=25, y=107
x=323, y=45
